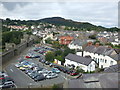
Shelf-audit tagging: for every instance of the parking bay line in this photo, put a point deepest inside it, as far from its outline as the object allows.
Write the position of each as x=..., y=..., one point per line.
x=11, y=70
x=64, y=77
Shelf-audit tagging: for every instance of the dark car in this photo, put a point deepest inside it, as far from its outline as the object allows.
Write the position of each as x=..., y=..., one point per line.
x=6, y=79
x=39, y=69
x=43, y=61
x=47, y=63
x=39, y=78
x=35, y=75
x=68, y=71
x=29, y=70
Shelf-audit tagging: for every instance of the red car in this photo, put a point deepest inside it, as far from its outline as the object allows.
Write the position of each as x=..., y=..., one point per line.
x=27, y=56
x=74, y=73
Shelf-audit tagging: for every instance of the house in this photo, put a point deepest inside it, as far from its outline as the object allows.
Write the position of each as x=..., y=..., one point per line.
x=65, y=40
x=104, y=56
x=87, y=64
x=77, y=44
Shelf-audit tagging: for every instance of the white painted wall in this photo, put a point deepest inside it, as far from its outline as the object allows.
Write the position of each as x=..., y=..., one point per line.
x=72, y=46
x=79, y=53
x=104, y=61
x=90, y=67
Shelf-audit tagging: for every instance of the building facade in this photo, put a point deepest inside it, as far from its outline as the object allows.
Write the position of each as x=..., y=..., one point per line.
x=87, y=64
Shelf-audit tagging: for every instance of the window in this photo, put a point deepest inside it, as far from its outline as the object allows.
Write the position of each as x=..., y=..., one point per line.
x=111, y=62
x=105, y=61
x=101, y=66
x=98, y=60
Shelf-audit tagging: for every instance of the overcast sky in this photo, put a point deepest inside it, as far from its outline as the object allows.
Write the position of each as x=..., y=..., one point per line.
x=97, y=13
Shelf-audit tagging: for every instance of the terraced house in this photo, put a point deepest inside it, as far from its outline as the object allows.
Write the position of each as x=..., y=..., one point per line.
x=103, y=56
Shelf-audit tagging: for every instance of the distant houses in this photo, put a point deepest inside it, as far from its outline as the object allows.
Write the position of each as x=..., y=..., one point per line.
x=77, y=44
x=87, y=64
x=65, y=40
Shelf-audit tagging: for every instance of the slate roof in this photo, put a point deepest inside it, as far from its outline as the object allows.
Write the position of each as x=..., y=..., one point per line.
x=104, y=80
x=113, y=68
x=79, y=59
x=79, y=42
x=102, y=50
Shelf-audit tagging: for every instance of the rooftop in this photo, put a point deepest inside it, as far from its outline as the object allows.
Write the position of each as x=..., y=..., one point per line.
x=79, y=59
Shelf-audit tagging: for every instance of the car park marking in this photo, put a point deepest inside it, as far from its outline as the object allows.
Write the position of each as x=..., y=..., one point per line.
x=11, y=70
x=15, y=86
x=64, y=77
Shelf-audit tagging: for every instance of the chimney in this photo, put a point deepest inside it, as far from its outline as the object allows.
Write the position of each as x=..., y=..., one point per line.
x=89, y=43
x=97, y=45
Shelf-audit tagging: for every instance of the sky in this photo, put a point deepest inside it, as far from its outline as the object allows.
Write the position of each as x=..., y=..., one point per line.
x=98, y=13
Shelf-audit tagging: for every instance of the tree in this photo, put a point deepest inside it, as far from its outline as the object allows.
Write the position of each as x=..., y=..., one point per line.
x=92, y=36
x=48, y=40
x=60, y=58
x=50, y=56
x=58, y=52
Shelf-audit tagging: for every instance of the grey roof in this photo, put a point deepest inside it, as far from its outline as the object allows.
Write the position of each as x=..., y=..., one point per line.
x=79, y=59
x=79, y=42
x=102, y=50
x=96, y=80
x=113, y=68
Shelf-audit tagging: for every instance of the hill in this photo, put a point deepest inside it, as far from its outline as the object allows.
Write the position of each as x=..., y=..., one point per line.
x=70, y=23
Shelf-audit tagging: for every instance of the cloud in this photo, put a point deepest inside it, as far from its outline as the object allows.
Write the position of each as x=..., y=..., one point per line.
x=98, y=13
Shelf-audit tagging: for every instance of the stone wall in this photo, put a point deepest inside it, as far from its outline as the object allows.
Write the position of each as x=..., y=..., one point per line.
x=6, y=56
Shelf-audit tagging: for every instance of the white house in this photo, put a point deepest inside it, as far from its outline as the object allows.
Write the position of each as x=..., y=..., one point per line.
x=87, y=64
x=103, y=56
x=77, y=44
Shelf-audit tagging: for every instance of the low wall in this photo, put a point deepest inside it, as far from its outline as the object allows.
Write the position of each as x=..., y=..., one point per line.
x=6, y=56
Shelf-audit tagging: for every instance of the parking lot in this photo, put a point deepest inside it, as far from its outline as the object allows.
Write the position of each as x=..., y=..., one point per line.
x=23, y=80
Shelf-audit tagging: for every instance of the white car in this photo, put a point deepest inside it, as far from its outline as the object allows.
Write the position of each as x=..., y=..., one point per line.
x=51, y=75
x=46, y=73
x=18, y=65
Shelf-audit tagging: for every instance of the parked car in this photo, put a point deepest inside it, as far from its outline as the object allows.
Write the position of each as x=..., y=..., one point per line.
x=47, y=63
x=74, y=73
x=35, y=75
x=22, y=68
x=68, y=71
x=51, y=64
x=8, y=84
x=28, y=71
x=46, y=72
x=18, y=65
x=43, y=61
x=51, y=75
x=6, y=79
x=39, y=78
x=55, y=70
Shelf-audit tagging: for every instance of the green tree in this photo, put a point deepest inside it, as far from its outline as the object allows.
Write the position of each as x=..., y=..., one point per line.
x=60, y=58
x=50, y=56
x=58, y=52
x=92, y=36
x=48, y=40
